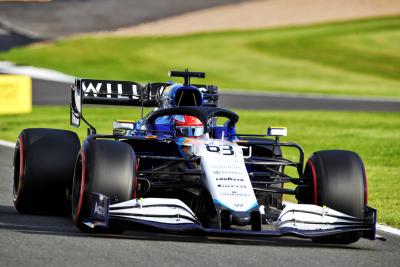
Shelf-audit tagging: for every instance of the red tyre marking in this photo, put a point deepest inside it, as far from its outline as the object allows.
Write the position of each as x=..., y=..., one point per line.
x=314, y=174
x=78, y=209
x=21, y=158
x=366, y=186
x=21, y=170
x=135, y=179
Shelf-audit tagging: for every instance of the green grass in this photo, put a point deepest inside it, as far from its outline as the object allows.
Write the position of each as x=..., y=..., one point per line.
x=375, y=136
x=359, y=58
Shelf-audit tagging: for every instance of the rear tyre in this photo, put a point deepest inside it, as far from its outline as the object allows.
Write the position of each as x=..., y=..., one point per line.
x=44, y=162
x=339, y=182
x=106, y=167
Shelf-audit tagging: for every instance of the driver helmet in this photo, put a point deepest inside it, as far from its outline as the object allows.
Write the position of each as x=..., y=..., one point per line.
x=188, y=126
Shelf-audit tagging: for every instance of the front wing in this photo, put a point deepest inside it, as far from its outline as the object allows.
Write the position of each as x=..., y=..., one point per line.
x=302, y=220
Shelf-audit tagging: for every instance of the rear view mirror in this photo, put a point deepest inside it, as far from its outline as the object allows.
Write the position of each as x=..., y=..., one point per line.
x=122, y=127
x=277, y=131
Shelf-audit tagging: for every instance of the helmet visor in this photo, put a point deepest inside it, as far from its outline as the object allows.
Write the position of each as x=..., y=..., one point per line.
x=190, y=131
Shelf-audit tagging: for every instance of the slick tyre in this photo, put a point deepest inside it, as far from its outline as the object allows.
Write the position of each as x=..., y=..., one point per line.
x=107, y=167
x=44, y=162
x=339, y=182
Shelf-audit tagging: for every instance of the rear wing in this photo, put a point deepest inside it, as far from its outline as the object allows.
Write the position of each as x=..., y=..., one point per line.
x=125, y=93
x=117, y=93
x=105, y=92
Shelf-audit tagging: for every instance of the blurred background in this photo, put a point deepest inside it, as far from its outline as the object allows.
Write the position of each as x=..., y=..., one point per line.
x=328, y=70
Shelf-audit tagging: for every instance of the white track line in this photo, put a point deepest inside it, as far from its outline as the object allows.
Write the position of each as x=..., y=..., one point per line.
x=36, y=73
x=388, y=229
x=7, y=144
x=380, y=227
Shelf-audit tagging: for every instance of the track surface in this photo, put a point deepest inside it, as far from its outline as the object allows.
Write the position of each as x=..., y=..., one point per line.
x=55, y=93
x=65, y=17
x=43, y=241
x=24, y=23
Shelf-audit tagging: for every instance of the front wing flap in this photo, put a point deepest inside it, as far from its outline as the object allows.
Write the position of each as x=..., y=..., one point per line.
x=302, y=220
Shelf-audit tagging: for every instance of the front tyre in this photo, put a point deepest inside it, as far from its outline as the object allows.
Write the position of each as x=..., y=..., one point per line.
x=339, y=182
x=107, y=167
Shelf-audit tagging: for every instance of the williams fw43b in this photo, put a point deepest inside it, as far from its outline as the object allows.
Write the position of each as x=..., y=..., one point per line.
x=183, y=167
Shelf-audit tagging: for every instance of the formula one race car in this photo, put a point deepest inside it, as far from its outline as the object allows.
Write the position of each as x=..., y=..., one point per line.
x=183, y=167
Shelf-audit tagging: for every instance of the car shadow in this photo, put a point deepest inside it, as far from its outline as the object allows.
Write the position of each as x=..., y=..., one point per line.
x=11, y=220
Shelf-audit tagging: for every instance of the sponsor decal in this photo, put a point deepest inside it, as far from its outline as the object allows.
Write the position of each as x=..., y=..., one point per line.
x=91, y=88
x=232, y=186
x=234, y=194
x=218, y=172
x=223, y=167
x=110, y=89
x=229, y=179
x=99, y=205
x=99, y=210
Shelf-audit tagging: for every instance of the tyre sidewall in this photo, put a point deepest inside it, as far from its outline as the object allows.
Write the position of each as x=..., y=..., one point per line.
x=107, y=167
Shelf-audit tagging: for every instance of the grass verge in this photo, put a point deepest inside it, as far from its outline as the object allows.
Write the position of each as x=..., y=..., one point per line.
x=374, y=136
x=347, y=58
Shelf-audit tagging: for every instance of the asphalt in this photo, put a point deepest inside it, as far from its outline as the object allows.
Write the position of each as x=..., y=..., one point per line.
x=271, y=101
x=26, y=22
x=54, y=241
x=55, y=93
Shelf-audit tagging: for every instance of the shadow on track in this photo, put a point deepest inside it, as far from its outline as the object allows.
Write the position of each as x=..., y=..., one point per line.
x=10, y=219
